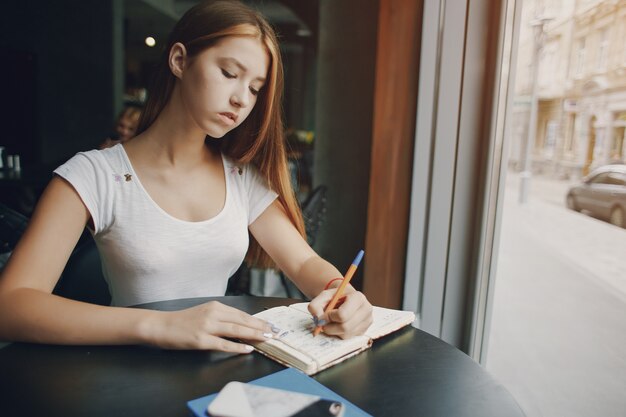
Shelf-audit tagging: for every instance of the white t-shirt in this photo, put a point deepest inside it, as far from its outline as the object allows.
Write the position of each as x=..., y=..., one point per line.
x=148, y=255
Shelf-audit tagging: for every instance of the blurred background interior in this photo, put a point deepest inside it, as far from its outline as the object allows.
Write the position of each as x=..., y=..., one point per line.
x=70, y=67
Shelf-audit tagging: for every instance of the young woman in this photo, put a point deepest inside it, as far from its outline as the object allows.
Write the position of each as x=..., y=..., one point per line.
x=172, y=209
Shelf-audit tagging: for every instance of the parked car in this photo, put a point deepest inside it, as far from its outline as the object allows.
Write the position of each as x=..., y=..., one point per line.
x=602, y=194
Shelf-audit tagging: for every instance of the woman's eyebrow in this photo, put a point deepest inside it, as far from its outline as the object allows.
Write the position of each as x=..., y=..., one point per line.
x=241, y=67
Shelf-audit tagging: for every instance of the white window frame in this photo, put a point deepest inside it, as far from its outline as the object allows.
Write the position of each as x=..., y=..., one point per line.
x=459, y=166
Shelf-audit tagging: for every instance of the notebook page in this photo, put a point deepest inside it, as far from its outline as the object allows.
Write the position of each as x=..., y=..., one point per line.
x=297, y=333
x=386, y=320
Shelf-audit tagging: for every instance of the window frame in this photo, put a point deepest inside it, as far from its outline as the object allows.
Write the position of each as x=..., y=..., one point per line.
x=467, y=64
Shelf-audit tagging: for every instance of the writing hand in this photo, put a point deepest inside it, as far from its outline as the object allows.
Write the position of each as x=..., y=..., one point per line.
x=206, y=326
x=349, y=318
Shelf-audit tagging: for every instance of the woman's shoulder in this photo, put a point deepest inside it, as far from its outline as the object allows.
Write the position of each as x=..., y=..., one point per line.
x=101, y=155
x=96, y=159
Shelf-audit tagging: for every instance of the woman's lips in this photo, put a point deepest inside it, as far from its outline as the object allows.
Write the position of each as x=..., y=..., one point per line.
x=228, y=118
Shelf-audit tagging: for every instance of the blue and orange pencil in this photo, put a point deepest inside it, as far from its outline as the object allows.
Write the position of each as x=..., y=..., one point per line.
x=342, y=287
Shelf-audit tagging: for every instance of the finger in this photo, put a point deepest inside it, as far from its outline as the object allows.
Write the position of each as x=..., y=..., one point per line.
x=356, y=325
x=217, y=343
x=238, y=331
x=228, y=314
x=348, y=309
x=317, y=305
x=340, y=301
x=346, y=330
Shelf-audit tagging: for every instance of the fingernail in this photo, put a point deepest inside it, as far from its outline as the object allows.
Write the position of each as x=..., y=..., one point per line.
x=268, y=335
x=274, y=328
x=248, y=348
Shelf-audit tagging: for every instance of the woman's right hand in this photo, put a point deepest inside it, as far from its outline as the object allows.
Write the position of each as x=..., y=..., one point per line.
x=206, y=326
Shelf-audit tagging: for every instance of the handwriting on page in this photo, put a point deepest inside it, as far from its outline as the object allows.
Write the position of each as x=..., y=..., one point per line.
x=296, y=331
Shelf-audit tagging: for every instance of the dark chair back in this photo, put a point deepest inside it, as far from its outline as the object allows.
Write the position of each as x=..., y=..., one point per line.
x=12, y=226
x=82, y=277
x=314, y=212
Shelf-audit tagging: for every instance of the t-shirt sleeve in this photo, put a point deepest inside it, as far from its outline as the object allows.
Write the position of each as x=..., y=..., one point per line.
x=259, y=194
x=86, y=173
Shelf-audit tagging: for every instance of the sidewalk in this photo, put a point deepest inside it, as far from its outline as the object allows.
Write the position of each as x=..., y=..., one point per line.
x=558, y=339
x=596, y=247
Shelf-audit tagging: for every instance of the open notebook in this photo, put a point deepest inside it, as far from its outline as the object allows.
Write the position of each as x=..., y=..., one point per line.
x=295, y=345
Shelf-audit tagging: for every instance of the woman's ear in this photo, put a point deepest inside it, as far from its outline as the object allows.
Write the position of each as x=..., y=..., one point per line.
x=177, y=59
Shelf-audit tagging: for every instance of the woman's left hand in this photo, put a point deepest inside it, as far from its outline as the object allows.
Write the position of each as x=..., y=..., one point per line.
x=347, y=319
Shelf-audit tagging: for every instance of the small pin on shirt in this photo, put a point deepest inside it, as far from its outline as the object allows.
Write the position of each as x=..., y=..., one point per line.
x=128, y=177
x=236, y=169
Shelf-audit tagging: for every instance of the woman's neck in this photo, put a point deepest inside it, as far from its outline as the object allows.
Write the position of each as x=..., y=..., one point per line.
x=172, y=141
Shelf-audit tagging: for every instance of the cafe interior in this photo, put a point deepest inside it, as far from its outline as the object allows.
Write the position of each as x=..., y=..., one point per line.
x=384, y=108
x=393, y=114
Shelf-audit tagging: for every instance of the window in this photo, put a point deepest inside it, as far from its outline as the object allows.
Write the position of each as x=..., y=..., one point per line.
x=617, y=143
x=602, y=178
x=569, y=140
x=609, y=178
x=550, y=143
x=603, y=49
x=623, y=43
x=617, y=178
x=557, y=307
x=580, y=58
x=543, y=292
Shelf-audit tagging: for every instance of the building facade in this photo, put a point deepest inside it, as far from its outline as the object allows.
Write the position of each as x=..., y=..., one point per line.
x=581, y=86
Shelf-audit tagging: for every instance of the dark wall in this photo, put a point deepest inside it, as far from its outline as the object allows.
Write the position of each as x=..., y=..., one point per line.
x=75, y=82
x=344, y=108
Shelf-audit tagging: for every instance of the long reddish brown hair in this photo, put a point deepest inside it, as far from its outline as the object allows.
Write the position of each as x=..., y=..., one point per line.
x=259, y=140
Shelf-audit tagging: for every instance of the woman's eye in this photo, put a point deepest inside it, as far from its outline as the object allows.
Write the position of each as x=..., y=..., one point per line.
x=254, y=91
x=228, y=74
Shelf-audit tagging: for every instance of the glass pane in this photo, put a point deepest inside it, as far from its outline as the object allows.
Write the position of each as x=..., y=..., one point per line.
x=558, y=329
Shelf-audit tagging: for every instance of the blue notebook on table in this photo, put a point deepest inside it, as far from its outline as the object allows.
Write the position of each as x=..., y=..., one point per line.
x=289, y=379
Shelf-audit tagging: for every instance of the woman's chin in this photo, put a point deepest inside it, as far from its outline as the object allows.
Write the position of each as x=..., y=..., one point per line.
x=216, y=134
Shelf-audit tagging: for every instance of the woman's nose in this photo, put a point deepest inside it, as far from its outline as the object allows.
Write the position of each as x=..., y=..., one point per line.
x=240, y=99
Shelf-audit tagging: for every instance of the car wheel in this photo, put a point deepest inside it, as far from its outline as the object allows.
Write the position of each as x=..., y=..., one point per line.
x=617, y=217
x=571, y=203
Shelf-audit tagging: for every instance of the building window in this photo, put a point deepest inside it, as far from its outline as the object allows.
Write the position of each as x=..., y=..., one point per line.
x=548, y=67
x=603, y=49
x=551, y=131
x=569, y=139
x=580, y=58
x=617, y=142
x=623, y=43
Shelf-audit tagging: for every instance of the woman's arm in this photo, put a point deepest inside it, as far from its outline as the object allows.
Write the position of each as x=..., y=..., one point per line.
x=293, y=255
x=29, y=312
x=281, y=240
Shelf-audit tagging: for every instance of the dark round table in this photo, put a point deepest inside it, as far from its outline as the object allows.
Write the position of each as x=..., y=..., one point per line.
x=408, y=373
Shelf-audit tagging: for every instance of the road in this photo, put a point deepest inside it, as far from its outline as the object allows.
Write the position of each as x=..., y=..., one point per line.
x=558, y=332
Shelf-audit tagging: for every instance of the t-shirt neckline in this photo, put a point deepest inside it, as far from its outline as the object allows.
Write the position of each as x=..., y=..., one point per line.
x=147, y=195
